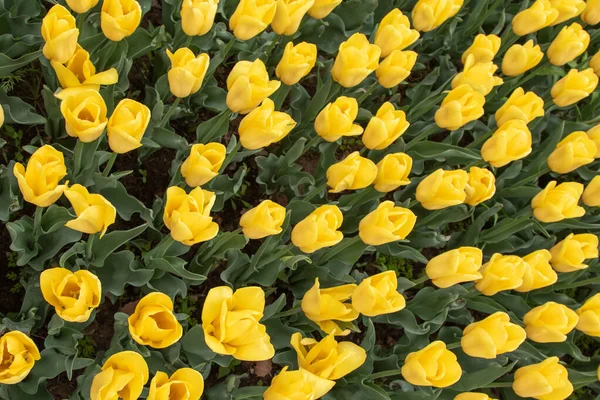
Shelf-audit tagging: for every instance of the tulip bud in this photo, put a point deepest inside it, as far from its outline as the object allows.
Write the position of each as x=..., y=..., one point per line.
x=187, y=71
x=556, y=203
x=385, y=127
x=430, y=14
x=589, y=316
x=84, y=111
x=443, y=189
x=394, y=33
x=203, y=163
x=492, y=336
x=473, y=396
x=81, y=6
x=94, y=212
x=352, y=173
x=575, y=86
x=519, y=59
x=386, y=224
x=80, y=71
x=595, y=63
x=480, y=76
x=569, y=44
x=432, y=366
x=18, y=356
x=337, y=119
x=73, y=295
x=248, y=85
x=264, y=126
x=395, y=68
x=322, y=8
x=591, y=194
x=591, y=14
x=120, y=18
x=184, y=384
x=392, y=172
x=540, y=15
x=187, y=216
x=198, y=16
x=569, y=255
x=574, y=151
x=289, y=14
x=123, y=373
x=550, y=323
x=297, y=61
x=594, y=134
x=501, y=273
x=538, y=271
x=326, y=307
x=356, y=59
x=546, y=380
x=567, y=9
x=60, y=34
x=127, y=125
x=263, y=220
x=297, y=385
x=521, y=106
x=251, y=17
x=460, y=106
x=153, y=322
x=1, y=116
x=483, y=49
x=510, y=142
x=378, y=295
x=455, y=266
x=480, y=187
x=319, y=229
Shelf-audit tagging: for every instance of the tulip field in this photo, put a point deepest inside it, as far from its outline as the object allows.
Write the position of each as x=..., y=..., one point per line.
x=299, y=199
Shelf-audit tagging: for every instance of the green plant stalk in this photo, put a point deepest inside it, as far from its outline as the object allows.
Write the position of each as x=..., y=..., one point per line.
x=309, y=196
x=88, y=246
x=37, y=221
x=368, y=92
x=384, y=374
x=421, y=280
x=423, y=135
x=169, y=113
x=272, y=46
x=160, y=250
x=316, y=139
x=188, y=41
x=531, y=177
x=279, y=254
x=231, y=155
x=497, y=385
x=77, y=157
x=109, y=164
x=288, y=313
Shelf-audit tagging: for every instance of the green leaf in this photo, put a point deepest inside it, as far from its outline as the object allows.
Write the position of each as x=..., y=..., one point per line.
x=505, y=229
x=121, y=269
x=102, y=248
x=443, y=152
x=477, y=379
x=168, y=138
x=176, y=266
x=7, y=64
x=471, y=236
x=16, y=111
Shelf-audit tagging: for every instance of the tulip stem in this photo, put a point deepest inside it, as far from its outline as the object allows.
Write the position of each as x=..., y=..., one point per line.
x=88, y=246
x=77, y=157
x=160, y=250
x=384, y=374
x=421, y=280
x=573, y=285
x=454, y=345
x=423, y=135
x=530, y=177
x=169, y=113
x=288, y=313
x=37, y=221
x=497, y=385
x=231, y=155
x=277, y=255
x=316, y=139
x=109, y=164
x=188, y=41
x=309, y=196
x=368, y=92
x=269, y=50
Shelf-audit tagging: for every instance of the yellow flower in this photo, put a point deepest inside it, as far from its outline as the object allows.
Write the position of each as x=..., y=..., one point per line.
x=1, y=116
x=510, y=142
x=248, y=85
x=432, y=366
x=319, y=229
x=18, y=356
x=538, y=271
x=395, y=68
x=264, y=126
x=455, y=266
x=263, y=220
x=322, y=8
x=123, y=376
x=521, y=106
x=501, y=273
x=591, y=194
x=569, y=44
x=589, y=316
x=231, y=323
x=73, y=295
x=385, y=127
x=198, y=16
x=127, y=125
x=574, y=151
x=386, y=224
x=492, y=336
x=81, y=6
x=575, y=86
x=289, y=14
x=251, y=17
x=547, y=380
x=394, y=33
x=540, y=15
x=569, y=255
x=184, y=384
x=460, y=106
x=153, y=323
x=94, y=212
x=327, y=306
x=591, y=14
x=550, y=323
x=429, y=14
x=594, y=134
x=556, y=203
x=378, y=295
x=356, y=59
x=188, y=215
x=60, y=34
x=392, y=172
x=84, y=112
x=480, y=187
x=187, y=71
x=296, y=62
x=595, y=63
x=327, y=359
x=80, y=71
x=567, y=9
x=352, y=173
x=39, y=182
x=203, y=163
x=472, y=396
x=480, y=76
x=337, y=119
x=519, y=59
x=483, y=49
x=443, y=189
x=297, y=385
x=120, y=18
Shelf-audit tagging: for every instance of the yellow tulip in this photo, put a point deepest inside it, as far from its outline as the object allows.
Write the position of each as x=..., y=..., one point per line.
x=297, y=385
x=251, y=17
x=326, y=307
x=337, y=119
x=248, y=85
x=188, y=215
x=392, y=172
x=39, y=182
x=120, y=18
x=540, y=15
x=574, y=151
x=296, y=62
x=127, y=125
x=519, y=59
x=591, y=14
x=538, y=271
x=378, y=295
x=356, y=59
x=556, y=203
x=483, y=49
x=472, y=396
x=394, y=33
x=567, y=9
x=547, y=380
x=203, y=163
x=569, y=255
x=187, y=71
x=594, y=134
x=352, y=173
x=501, y=273
x=153, y=323
x=60, y=34
x=73, y=295
x=589, y=316
x=395, y=68
x=184, y=384
x=263, y=220
x=123, y=375
x=455, y=266
x=480, y=187
x=510, y=142
x=80, y=71
x=1, y=116
x=322, y=8
x=231, y=323
x=430, y=14
x=289, y=14
x=443, y=189
x=264, y=126
x=18, y=356
x=385, y=127
x=94, y=212
x=319, y=229
x=575, y=86
x=550, y=322
x=480, y=76
x=492, y=336
x=521, y=106
x=81, y=6
x=386, y=224
x=595, y=63
x=591, y=194
x=460, y=106
x=569, y=44
x=84, y=112
x=198, y=16
x=432, y=366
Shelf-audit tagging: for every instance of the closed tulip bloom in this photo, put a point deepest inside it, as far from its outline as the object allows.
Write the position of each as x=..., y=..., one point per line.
x=394, y=33
x=319, y=229
x=289, y=14
x=575, y=86
x=356, y=59
x=251, y=17
x=198, y=16
x=378, y=295
x=153, y=323
x=569, y=44
x=392, y=172
x=60, y=34
x=569, y=255
x=120, y=18
x=540, y=15
x=80, y=71
x=264, y=126
x=591, y=13
x=520, y=58
x=337, y=119
x=595, y=63
x=184, y=384
x=567, y=9
x=263, y=220
x=123, y=376
x=94, y=213
x=322, y=8
x=296, y=62
x=483, y=49
x=589, y=316
x=1, y=116
x=188, y=215
x=550, y=322
x=39, y=182
x=231, y=323
x=574, y=151
x=127, y=125
x=203, y=163
x=591, y=194
x=84, y=112
x=352, y=173
x=81, y=6
x=297, y=385
x=480, y=187
x=73, y=295
x=473, y=396
x=455, y=266
x=430, y=14
x=248, y=85
x=547, y=380
x=492, y=336
x=521, y=106
x=443, y=189
x=538, y=271
x=501, y=273
x=460, y=106
x=18, y=356
x=556, y=203
x=395, y=68
x=432, y=366
x=187, y=71
x=594, y=134
x=385, y=127
x=480, y=76
x=386, y=224
x=510, y=142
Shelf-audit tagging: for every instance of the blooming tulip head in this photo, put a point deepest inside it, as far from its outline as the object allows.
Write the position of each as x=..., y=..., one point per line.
x=297, y=385
x=483, y=49
x=184, y=384
x=538, y=16
x=569, y=44
x=556, y=203
x=569, y=255
x=203, y=163
x=386, y=224
x=594, y=134
x=264, y=126
x=74, y=295
x=501, y=273
x=337, y=119
x=432, y=366
x=538, y=271
x=127, y=125
x=120, y=18
x=443, y=189
x=81, y=6
x=519, y=59
x=510, y=142
x=575, y=86
x=18, y=356
x=589, y=316
x=567, y=9
x=461, y=105
x=153, y=323
x=84, y=112
x=80, y=71
x=591, y=13
x=480, y=187
x=546, y=380
x=319, y=229
x=187, y=71
x=394, y=33
x=480, y=76
x=251, y=17
x=322, y=8
x=263, y=220
x=572, y=152
x=198, y=16
x=289, y=14
x=455, y=266
x=430, y=14
x=356, y=59
x=188, y=215
x=1, y=116
x=123, y=376
x=595, y=62
x=353, y=173
x=395, y=68
x=248, y=85
x=492, y=336
x=60, y=34
x=591, y=194
x=378, y=295
x=94, y=212
x=296, y=62
x=472, y=396
x=385, y=127
x=550, y=322
x=520, y=106
x=392, y=172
